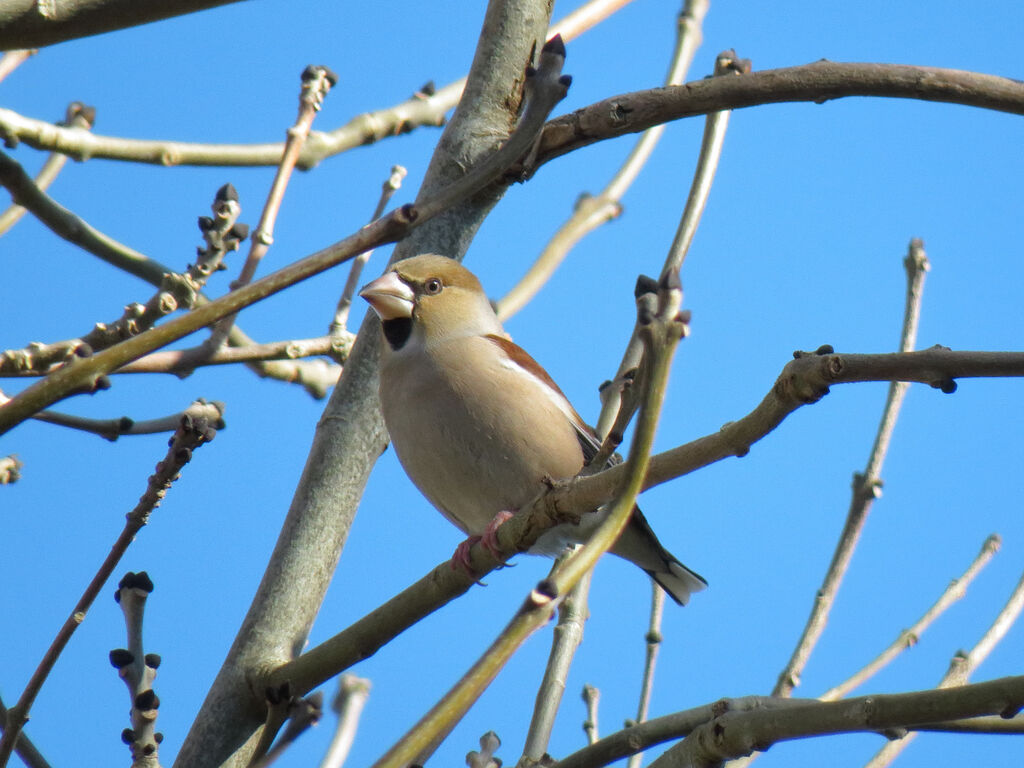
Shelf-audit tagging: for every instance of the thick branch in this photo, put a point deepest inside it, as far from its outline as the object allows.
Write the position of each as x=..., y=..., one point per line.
x=31, y=24
x=818, y=82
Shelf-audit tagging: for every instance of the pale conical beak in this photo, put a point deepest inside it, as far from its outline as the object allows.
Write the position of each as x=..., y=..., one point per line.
x=389, y=296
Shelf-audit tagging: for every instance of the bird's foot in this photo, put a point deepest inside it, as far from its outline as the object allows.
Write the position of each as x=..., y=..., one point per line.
x=489, y=539
x=460, y=558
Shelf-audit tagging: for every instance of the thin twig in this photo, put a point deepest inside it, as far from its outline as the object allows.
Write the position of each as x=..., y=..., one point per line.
x=591, y=700
x=348, y=704
x=866, y=487
x=593, y=211
x=653, y=640
x=181, y=362
x=962, y=667
x=316, y=84
x=301, y=714
x=909, y=637
x=111, y=429
x=11, y=60
x=565, y=640
x=616, y=409
x=388, y=189
x=25, y=749
x=77, y=116
x=192, y=433
x=422, y=109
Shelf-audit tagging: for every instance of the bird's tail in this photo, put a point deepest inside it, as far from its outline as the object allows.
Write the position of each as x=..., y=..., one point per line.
x=639, y=545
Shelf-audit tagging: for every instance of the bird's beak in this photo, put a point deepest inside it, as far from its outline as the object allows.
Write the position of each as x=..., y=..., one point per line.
x=389, y=296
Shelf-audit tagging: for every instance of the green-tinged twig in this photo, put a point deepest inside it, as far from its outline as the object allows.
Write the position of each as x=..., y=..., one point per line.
x=316, y=84
x=565, y=639
x=961, y=668
x=663, y=333
x=340, y=322
x=592, y=211
x=192, y=433
x=617, y=407
x=653, y=640
x=77, y=116
x=909, y=637
x=867, y=486
x=348, y=705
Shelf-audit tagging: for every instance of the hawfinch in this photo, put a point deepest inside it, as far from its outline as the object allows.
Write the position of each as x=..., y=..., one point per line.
x=477, y=424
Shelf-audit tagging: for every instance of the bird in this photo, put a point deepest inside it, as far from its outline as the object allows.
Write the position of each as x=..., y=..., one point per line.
x=478, y=425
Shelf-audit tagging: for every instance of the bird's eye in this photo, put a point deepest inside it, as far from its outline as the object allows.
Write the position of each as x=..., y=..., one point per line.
x=432, y=286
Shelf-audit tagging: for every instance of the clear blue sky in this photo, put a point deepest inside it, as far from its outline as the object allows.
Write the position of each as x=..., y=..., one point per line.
x=801, y=245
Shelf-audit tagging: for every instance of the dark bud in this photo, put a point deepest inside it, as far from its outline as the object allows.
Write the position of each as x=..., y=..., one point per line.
x=670, y=281
x=121, y=657
x=124, y=424
x=684, y=316
x=227, y=192
x=138, y=580
x=427, y=89
x=615, y=437
x=83, y=111
x=147, y=700
x=158, y=737
x=547, y=587
x=604, y=385
x=565, y=81
x=128, y=736
x=148, y=750
x=102, y=382
x=205, y=223
x=330, y=75
x=824, y=349
x=240, y=230
x=530, y=72
x=83, y=350
x=644, y=284
x=555, y=46
x=948, y=386
x=152, y=660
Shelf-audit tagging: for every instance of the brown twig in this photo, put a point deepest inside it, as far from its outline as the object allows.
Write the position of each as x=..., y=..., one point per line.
x=617, y=407
x=909, y=637
x=961, y=668
x=866, y=486
x=178, y=290
x=111, y=429
x=191, y=434
x=592, y=211
x=316, y=84
x=24, y=747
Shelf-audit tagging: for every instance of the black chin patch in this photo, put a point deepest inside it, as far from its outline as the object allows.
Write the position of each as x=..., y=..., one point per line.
x=397, y=331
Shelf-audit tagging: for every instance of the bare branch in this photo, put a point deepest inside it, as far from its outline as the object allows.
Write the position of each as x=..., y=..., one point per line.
x=348, y=704
x=27, y=23
x=111, y=429
x=961, y=668
x=192, y=433
x=866, y=487
x=593, y=211
x=591, y=699
x=13, y=59
x=909, y=637
x=653, y=639
x=24, y=747
x=565, y=639
x=316, y=84
x=817, y=82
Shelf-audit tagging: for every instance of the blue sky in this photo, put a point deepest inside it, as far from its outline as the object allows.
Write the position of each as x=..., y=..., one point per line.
x=801, y=245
